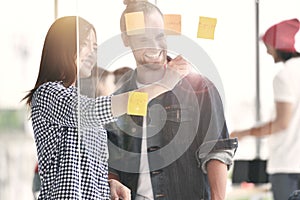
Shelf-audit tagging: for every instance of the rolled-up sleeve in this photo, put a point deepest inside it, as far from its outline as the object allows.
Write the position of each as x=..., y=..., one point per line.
x=216, y=143
x=222, y=150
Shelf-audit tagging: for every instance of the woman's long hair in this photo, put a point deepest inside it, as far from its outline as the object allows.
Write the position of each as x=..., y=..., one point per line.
x=59, y=52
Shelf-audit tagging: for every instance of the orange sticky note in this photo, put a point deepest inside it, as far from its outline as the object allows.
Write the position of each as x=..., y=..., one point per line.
x=172, y=24
x=135, y=23
x=206, y=28
x=137, y=103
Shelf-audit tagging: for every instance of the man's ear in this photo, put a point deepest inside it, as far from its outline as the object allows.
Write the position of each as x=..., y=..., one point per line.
x=125, y=39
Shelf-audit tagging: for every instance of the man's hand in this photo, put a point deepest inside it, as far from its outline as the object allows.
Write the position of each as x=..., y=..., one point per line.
x=118, y=190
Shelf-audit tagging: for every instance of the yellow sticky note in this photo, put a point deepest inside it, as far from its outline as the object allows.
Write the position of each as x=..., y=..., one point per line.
x=172, y=24
x=206, y=28
x=137, y=103
x=135, y=23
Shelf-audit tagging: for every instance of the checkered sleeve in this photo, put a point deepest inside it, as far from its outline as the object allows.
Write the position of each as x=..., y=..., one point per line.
x=95, y=112
x=60, y=105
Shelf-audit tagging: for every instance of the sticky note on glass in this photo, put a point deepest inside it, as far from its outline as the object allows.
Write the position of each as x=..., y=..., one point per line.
x=135, y=23
x=137, y=103
x=172, y=24
x=206, y=27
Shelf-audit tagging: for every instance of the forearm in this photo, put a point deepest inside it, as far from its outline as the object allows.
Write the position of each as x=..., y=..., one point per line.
x=119, y=102
x=155, y=90
x=263, y=130
x=281, y=122
x=217, y=177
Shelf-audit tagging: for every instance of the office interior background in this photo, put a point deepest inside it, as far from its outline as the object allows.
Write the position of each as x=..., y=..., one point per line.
x=244, y=68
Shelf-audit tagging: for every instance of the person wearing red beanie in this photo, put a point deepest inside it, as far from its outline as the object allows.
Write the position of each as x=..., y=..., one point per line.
x=284, y=130
x=281, y=36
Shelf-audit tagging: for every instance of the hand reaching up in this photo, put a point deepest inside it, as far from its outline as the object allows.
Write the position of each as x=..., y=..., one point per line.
x=176, y=70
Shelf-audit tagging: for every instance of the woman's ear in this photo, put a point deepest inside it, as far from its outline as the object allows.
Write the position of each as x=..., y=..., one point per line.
x=125, y=39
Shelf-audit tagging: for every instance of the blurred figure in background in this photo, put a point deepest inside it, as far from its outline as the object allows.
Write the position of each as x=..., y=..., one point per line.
x=36, y=183
x=122, y=75
x=284, y=131
x=105, y=82
x=89, y=85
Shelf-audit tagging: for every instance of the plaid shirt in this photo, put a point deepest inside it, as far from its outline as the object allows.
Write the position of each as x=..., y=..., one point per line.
x=67, y=172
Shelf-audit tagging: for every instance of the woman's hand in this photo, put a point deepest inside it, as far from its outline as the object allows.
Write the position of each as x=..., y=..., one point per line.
x=118, y=190
x=180, y=65
x=176, y=70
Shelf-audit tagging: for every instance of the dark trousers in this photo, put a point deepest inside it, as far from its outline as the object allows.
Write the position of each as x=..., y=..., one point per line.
x=283, y=185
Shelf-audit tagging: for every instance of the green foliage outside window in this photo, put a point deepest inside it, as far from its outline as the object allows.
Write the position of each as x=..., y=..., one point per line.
x=12, y=120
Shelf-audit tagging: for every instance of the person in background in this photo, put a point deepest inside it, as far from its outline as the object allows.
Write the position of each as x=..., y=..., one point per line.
x=105, y=82
x=188, y=122
x=36, y=183
x=89, y=86
x=121, y=76
x=68, y=126
x=284, y=142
